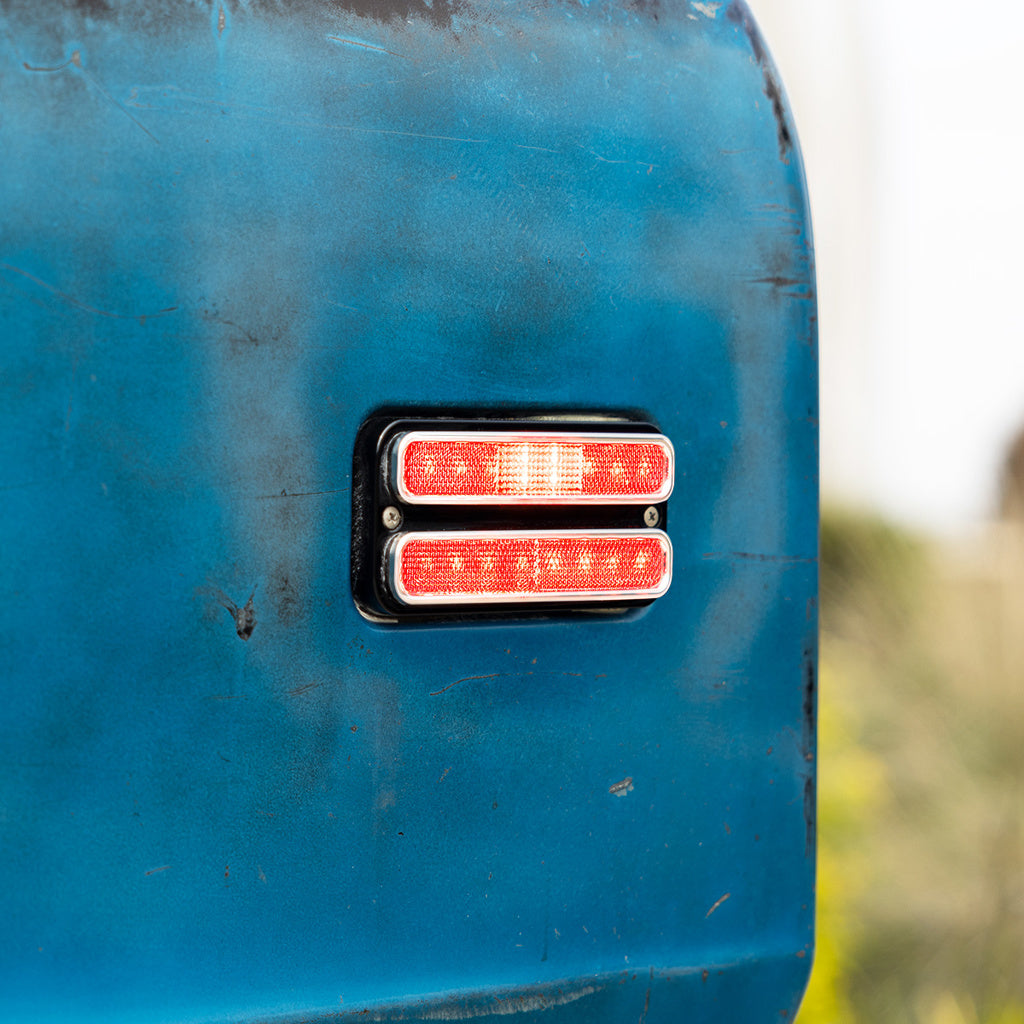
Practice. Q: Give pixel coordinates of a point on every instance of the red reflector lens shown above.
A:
(507, 468)
(520, 565)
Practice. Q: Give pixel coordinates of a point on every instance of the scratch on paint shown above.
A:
(156, 871)
(299, 494)
(752, 556)
(392, 131)
(367, 46)
(75, 60)
(71, 300)
(341, 305)
(189, 102)
(536, 149)
(468, 679)
(499, 1006)
(709, 10)
(507, 675)
(716, 905)
(639, 163)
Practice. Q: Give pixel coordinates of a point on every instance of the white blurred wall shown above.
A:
(911, 118)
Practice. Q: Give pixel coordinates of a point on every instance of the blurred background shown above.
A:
(911, 118)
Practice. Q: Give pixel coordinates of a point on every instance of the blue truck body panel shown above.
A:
(230, 232)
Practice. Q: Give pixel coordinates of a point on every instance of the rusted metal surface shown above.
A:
(231, 232)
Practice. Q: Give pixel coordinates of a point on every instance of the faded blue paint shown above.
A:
(224, 243)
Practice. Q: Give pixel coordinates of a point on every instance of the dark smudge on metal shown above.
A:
(739, 14)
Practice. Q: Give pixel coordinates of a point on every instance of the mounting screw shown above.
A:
(391, 518)
(651, 516)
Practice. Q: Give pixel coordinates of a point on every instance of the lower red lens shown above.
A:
(438, 568)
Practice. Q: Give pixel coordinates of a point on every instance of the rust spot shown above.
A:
(647, 997)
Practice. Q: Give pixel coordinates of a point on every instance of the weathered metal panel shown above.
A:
(231, 232)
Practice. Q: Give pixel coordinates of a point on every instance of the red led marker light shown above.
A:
(491, 467)
(473, 567)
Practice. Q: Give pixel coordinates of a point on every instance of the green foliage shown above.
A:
(921, 780)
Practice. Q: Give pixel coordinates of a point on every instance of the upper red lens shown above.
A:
(510, 468)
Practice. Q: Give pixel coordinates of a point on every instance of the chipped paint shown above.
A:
(243, 617)
(717, 904)
(622, 788)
